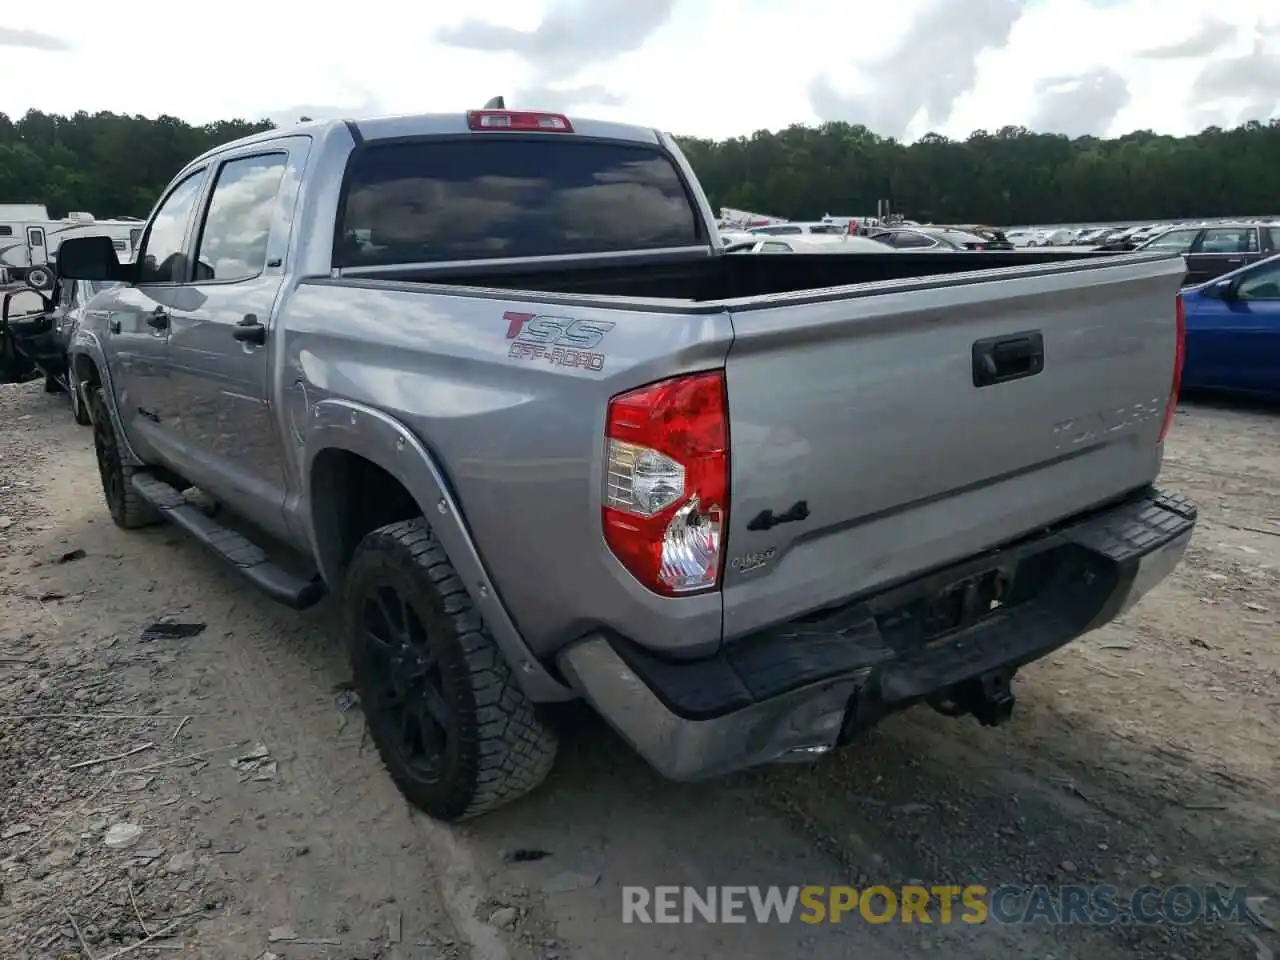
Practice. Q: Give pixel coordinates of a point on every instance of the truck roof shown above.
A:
(429, 125)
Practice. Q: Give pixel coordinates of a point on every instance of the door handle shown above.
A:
(158, 319)
(1236, 260)
(1011, 357)
(114, 324)
(250, 330)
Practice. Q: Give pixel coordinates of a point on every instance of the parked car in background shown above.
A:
(1057, 237)
(1233, 332)
(1021, 237)
(810, 243)
(1088, 236)
(1215, 249)
(23, 311)
(996, 238)
(795, 229)
(937, 239)
(37, 330)
(1109, 234)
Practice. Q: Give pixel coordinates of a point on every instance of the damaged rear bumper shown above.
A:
(792, 692)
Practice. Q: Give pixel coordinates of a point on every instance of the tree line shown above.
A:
(116, 165)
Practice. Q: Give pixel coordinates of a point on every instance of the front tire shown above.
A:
(127, 508)
(454, 730)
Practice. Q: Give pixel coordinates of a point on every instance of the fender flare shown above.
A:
(84, 343)
(335, 424)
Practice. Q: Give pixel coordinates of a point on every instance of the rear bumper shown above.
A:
(788, 693)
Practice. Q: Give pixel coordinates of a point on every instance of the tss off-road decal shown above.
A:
(558, 341)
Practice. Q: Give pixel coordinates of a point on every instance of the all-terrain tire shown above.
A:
(500, 749)
(127, 507)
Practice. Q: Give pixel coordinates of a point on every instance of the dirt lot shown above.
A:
(211, 791)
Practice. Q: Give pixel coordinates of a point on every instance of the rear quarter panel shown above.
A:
(518, 436)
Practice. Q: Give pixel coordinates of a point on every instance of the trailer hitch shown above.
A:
(988, 698)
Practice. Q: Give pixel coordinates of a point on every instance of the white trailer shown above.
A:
(28, 247)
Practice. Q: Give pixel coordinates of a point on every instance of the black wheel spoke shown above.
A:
(434, 706)
(435, 740)
(380, 648)
(410, 730)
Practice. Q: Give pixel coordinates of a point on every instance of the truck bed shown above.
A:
(866, 404)
(735, 276)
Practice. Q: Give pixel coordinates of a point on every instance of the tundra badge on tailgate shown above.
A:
(558, 341)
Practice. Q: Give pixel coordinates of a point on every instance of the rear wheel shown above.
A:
(454, 730)
(127, 508)
(40, 278)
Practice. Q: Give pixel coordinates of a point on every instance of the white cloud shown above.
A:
(709, 67)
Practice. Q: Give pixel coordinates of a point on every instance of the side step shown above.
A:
(248, 559)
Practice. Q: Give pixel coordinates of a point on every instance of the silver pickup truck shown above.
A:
(491, 379)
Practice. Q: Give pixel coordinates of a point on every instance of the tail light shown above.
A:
(522, 120)
(666, 485)
(1179, 356)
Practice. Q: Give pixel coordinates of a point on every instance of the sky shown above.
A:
(711, 68)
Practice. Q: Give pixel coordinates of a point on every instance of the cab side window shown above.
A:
(237, 225)
(162, 258)
(1179, 240)
(1229, 240)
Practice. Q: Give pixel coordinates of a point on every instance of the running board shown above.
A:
(244, 556)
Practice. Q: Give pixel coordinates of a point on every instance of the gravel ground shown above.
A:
(215, 793)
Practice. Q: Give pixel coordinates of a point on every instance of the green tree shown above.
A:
(1008, 176)
(116, 165)
(109, 164)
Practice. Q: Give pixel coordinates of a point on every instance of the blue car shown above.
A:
(1233, 332)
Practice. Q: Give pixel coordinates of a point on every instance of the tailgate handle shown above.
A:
(1011, 357)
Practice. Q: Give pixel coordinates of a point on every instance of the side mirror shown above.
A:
(1226, 290)
(91, 258)
(23, 305)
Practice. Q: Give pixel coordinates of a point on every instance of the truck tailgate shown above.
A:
(867, 445)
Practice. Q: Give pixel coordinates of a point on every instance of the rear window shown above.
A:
(485, 198)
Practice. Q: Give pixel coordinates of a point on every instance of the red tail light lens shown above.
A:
(518, 120)
(666, 484)
(1179, 356)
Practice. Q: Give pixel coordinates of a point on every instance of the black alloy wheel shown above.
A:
(410, 702)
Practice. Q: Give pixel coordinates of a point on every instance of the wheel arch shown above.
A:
(86, 357)
(347, 443)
